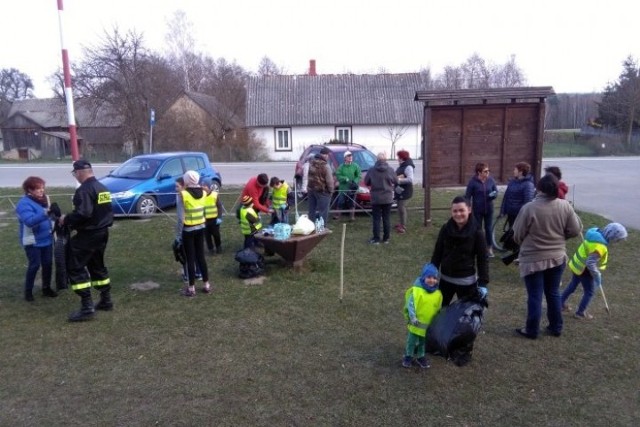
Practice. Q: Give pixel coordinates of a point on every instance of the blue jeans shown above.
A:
(38, 257)
(381, 212)
(487, 220)
(319, 205)
(588, 286)
(545, 282)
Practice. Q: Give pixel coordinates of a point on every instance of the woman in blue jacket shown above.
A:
(482, 191)
(520, 191)
(35, 235)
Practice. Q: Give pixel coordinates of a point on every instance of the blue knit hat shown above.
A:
(429, 270)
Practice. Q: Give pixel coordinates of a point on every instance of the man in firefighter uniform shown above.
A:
(91, 218)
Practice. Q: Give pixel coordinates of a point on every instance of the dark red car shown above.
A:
(361, 156)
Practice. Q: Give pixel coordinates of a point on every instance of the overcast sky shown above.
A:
(572, 45)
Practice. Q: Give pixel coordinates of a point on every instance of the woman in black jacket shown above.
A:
(461, 254)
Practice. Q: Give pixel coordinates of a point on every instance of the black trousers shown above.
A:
(212, 234)
(193, 243)
(86, 262)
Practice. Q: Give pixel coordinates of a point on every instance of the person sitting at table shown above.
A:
(249, 222)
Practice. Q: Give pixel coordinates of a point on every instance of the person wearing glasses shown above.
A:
(482, 191)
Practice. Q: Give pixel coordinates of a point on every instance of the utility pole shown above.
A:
(68, 94)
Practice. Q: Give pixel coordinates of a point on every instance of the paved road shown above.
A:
(607, 186)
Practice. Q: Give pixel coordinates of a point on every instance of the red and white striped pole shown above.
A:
(68, 94)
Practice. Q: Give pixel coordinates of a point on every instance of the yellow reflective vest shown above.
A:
(427, 305)
(211, 205)
(578, 262)
(279, 196)
(245, 226)
(193, 209)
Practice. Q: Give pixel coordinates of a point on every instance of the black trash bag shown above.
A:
(178, 252)
(507, 241)
(453, 331)
(251, 263)
(61, 254)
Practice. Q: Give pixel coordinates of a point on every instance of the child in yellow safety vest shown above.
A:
(591, 256)
(249, 222)
(279, 200)
(423, 300)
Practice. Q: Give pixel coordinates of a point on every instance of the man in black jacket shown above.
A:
(382, 181)
(91, 218)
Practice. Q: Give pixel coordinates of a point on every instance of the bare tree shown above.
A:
(393, 134)
(181, 44)
(121, 73)
(476, 73)
(268, 68)
(15, 85)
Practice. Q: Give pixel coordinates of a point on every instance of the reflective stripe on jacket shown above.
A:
(426, 305)
(211, 205)
(193, 209)
(578, 262)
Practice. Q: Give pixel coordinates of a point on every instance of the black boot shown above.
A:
(28, 296)
(105, 303)
(48, 292)
(86, 311)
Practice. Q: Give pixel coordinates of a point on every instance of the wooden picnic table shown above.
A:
(294, 249)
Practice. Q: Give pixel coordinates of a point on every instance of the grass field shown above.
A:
(289, 353)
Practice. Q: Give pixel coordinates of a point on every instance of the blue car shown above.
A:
(143, 184)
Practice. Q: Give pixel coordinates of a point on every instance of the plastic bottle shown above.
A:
(321, 224)
(317, 225)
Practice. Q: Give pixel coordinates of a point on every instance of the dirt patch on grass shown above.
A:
(144, 286)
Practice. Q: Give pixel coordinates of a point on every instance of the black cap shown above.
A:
(325, 150)
(79, 165)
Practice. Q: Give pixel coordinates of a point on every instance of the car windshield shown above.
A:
(136, 168)
(362, 158)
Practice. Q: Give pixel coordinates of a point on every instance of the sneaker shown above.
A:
(423, 362)
(401, 229)
(28, 296)
(566, 307)
(188, 291)
(407, 361)
(185, 279)
(198, 276)
(48, 292)
(490, 254)
(374, 242)
(385, 241)
(583, 316)
(206, 288)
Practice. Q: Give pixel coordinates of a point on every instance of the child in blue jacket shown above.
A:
(423, 301)
(591, 256)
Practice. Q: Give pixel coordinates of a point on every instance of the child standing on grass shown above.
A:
(213, 218)
(423, 301)
(249, 222)
(279, 197)
(591, 257)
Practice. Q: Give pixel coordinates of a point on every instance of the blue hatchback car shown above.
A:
(143, 184)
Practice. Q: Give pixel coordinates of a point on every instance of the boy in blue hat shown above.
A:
(423, 301)
(591, 257)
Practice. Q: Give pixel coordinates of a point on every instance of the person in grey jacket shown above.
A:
(541, 229)
(382, 180)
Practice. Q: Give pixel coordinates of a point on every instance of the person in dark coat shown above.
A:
(381, 179)
(404, 191)
(460, 254)
(520, 191)
(482, 191)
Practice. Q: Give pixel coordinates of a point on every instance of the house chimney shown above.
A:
(312, 67)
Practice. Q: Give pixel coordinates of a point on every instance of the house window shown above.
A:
(283, 139)
(343, 134)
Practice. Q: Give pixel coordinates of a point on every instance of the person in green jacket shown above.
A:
(423, 300)
(348, 176)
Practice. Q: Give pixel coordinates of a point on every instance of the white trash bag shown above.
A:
(303, 226)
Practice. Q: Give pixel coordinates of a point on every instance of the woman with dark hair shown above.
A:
(461, 254)
(563, 189)
(541, 229)
(403, 191)
(482, 191)
(520, 191)
(35, 235)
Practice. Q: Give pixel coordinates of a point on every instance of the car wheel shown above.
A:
(215, 185)
(146, 206)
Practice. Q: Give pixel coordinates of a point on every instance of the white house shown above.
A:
(290, 112)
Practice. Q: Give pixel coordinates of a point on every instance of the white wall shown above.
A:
(375, 138)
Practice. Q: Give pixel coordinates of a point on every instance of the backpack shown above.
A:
(251, 263)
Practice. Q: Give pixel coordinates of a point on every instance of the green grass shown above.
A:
(289, 353)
